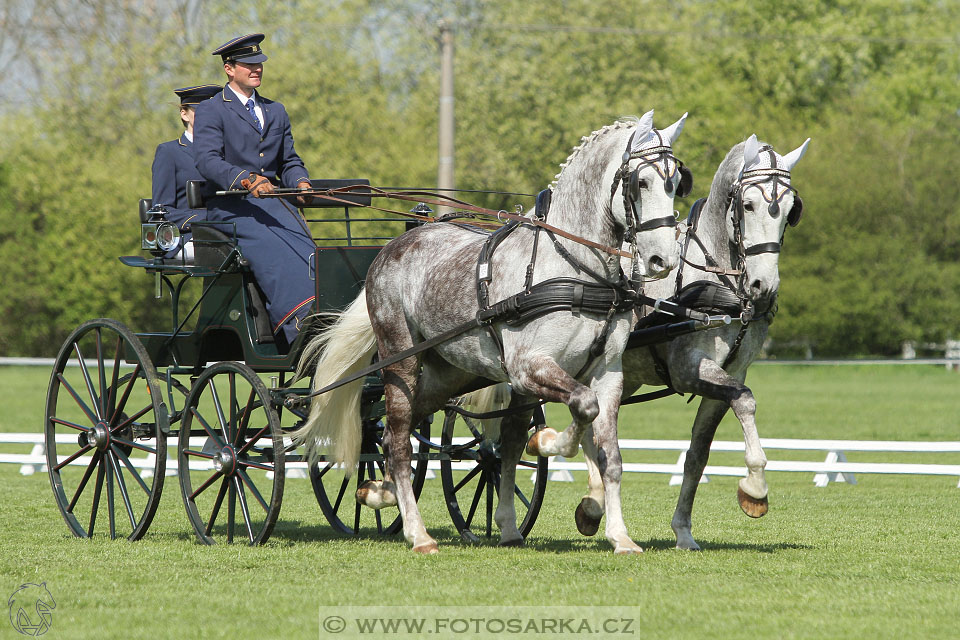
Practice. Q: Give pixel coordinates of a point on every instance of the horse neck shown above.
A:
(581, 198)
(712, 225)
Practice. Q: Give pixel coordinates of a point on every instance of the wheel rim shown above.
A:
(470, 493)
(230, 456)
(105, 431)
(336, 493)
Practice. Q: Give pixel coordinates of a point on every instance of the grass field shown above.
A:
(875, 560)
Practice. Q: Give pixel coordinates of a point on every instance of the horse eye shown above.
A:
(644, 184)
(748, 206)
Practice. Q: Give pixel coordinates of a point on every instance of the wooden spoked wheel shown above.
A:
(105, 432)
(230, 456)
(336, 491)
(470, 474)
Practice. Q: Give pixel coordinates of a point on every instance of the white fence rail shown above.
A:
(833, 468)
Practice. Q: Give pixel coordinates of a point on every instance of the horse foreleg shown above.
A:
(541, 377)
(609, 462)
(398, 385)
(590, 510)
(705, 425)
(716, 383)
(513, 431)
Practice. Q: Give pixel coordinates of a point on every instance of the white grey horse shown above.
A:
(424, 284)
(739, 227)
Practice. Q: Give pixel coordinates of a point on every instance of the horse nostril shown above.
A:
(656, 263)
(757, 285)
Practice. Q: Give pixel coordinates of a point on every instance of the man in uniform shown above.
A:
(174, 164)
(243, 140)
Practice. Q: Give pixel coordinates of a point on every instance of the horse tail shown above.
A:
(333, 423)
(492, 398)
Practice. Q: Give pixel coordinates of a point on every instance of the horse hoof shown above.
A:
(628, 551)
(752, 506)
(364, 491)
(516, 542)
(427, 549)
(587, 525)
(533, 445)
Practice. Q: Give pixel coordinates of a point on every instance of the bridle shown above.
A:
(629, 182)
(756, 178)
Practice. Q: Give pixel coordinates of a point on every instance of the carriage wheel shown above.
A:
(336, 493)
(230, 408)
(104, 430)
(477, 478)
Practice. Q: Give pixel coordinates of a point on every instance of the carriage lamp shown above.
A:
(158, 235)
(421, 210)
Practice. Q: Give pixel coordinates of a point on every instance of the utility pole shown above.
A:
(445, 179)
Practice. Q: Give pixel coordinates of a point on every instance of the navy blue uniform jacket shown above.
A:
(228, 146)
(173, 165)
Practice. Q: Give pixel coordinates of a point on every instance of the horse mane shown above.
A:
(585, 141)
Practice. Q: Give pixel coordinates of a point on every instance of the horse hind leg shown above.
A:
(399, 383)
(590, 510)
(513, 430)
(544, 378)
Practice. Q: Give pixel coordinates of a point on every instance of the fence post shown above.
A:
(823, 479)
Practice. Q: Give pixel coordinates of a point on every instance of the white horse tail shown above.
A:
(345, 347)
(492, 398)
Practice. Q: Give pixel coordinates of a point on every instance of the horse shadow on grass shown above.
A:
(294, 532)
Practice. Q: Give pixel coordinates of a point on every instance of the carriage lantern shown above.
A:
(158, 235)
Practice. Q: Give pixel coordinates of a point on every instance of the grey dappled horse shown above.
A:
(740, 226)
(423, 283)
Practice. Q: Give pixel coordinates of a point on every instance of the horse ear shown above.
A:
(644, 127)
(794, 156)
(672, 132)
(751, 150)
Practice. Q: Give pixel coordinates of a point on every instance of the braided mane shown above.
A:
(626, 121)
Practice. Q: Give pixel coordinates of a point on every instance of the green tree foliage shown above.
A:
(875, 262)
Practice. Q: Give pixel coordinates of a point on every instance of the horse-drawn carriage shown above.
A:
(110, 410)
(220, 385)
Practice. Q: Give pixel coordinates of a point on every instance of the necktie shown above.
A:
(253, 114)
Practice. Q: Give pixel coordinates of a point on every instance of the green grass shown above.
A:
(879, 559)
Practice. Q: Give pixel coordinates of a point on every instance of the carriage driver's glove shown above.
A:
(257, 185)
(304, 200)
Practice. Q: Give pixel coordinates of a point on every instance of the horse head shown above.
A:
(760, 204)
(628, 171)
(651, 177)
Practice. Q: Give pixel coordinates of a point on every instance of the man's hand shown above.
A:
(304, 200)
(257, 185)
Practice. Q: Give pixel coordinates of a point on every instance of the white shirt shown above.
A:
(188, 135)
(256, 103)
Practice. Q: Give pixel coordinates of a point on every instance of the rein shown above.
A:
(435, 199)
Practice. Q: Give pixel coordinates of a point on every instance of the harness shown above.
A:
(559, 294)
(570, 294)
(733, 293)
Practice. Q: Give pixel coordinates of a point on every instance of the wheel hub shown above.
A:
(225, 460)
(99, 436)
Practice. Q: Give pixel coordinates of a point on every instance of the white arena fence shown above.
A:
(834, 468)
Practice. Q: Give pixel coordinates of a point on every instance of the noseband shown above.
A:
(629, 181)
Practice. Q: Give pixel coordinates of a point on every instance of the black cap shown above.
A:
(243, 49)
(192, 96)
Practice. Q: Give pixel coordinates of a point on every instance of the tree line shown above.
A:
(874, 83)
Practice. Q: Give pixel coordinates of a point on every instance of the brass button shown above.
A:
(261, 155)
